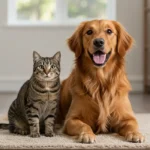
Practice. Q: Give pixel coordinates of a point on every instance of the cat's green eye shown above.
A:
(40, 67)
(53, 66)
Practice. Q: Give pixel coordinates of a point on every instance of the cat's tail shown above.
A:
(4, 126)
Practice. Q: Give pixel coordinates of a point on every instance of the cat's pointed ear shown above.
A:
(57, 56)
(36, 56)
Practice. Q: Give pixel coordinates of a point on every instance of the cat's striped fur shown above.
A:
(34, 109)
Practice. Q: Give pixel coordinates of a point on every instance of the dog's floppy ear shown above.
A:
(124, 40)
(75, 41)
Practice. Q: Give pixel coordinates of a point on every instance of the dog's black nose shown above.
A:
(99, 42)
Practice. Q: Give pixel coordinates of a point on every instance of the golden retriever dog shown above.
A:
(94, 98)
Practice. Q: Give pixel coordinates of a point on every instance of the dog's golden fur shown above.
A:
(95, 99)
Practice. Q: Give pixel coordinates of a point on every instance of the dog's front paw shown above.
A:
(87, 138)
(35, 135)
(135, 137)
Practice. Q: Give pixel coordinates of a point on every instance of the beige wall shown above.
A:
(17, 44)
(130, 14)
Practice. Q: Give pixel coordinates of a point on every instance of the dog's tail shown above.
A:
(4, 126)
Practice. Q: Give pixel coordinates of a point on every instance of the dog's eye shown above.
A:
(89, 32)
(109, 31)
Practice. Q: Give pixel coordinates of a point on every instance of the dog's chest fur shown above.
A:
(102, 95)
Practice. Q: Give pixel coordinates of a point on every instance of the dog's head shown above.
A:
(100, 40)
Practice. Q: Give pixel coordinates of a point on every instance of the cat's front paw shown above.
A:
(35, 135)
(50, 134)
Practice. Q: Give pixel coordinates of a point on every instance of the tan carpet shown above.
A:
(109, 141)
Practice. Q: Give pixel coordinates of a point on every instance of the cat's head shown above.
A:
(46, 68)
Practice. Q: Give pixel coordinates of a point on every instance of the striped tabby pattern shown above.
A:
(34, 109)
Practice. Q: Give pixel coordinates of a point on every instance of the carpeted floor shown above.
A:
(109, 141)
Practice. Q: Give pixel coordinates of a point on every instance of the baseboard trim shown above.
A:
(14, 84)
(137, 83)
(9, 84)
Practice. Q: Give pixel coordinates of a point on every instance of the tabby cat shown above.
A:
(34, 109)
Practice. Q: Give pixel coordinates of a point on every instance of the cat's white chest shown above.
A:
(47, 88)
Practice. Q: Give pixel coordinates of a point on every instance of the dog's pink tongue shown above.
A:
(99, 59)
